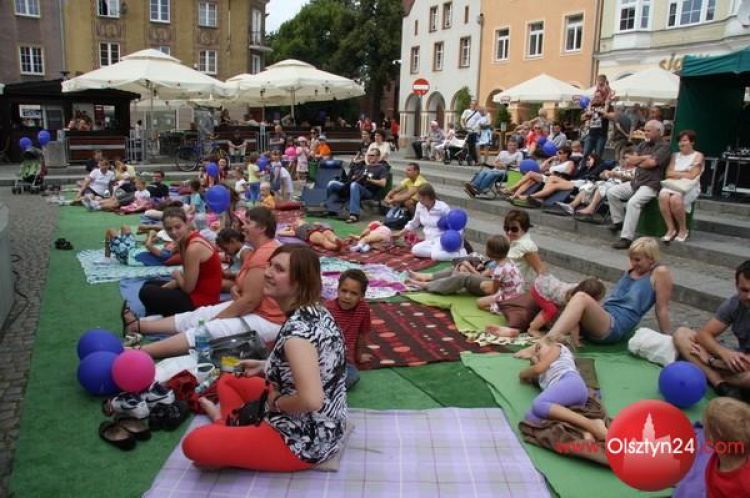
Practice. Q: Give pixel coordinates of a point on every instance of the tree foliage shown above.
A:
(463, 99)
(359, 39)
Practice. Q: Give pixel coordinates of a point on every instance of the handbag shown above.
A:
(681, 185)
(251, 413)
(245, 346)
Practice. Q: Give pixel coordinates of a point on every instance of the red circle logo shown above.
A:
(651, 445)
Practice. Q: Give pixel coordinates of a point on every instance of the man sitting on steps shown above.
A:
(727, 371)
(650, 159)
(405, 194)
(363, 182)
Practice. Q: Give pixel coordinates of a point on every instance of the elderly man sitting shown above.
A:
(425, 148)
(405, 194)
(363, 182)
(650, 159)
(727, 370)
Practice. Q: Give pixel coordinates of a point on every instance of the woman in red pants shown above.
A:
(305, 372)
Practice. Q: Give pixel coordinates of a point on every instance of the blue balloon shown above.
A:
(95, 373)
(263, 162)
(549, 149)
(528, 165)
(25, 143)
(218, 198)
(443, 223)
(457, 219)
(584, 102)
(541, 141)
(451, 241)
(682, 384)
(98, 340)
(43, 137)
(212, 170)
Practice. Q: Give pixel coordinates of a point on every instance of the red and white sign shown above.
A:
(420, 87)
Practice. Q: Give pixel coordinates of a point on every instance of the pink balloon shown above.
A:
(133, 371)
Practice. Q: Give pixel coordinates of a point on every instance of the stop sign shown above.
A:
(420, 87)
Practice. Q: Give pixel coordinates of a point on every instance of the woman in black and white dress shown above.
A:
(304, 374)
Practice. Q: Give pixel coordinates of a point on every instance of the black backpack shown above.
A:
(396, 218)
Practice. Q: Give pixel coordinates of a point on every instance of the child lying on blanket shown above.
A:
(553, 367)
(123, 246)
(550, 295)
(473, 274)
(352, 315)
(315, 234)
(374, 233)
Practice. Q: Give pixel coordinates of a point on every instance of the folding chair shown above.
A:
(327, 171)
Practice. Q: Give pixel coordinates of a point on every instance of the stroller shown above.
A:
(32, 172)
(458, 149)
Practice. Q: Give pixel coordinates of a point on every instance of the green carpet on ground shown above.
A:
(466, 315)
(624, 379)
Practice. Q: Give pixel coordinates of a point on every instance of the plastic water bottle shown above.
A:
(202, 348)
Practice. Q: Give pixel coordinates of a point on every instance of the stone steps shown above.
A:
(731, 219)
(703, 267)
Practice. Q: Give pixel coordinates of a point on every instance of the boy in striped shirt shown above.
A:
(352, 314)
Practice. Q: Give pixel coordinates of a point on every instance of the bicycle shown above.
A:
(189, 155)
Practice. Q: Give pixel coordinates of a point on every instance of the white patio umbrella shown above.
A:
(150, 73)
(541, 88)
(292, 82)
(650, 85)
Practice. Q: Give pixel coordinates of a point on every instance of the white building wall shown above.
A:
(452, 78)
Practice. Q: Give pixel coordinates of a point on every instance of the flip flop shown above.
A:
(116, 435)
(137, 427)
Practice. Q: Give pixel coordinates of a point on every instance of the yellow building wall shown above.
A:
(134, 31)
(575, 68)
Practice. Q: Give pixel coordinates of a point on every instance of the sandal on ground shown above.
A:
(63, 244)
(137, 427)
(168, 417)
(116, 435)
(352, 219)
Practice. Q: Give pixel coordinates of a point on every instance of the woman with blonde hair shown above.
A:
(644, 284)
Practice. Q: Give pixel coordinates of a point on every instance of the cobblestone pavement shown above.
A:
(32, 226)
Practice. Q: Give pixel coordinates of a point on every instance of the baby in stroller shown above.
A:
(32, 172)
(458, 149)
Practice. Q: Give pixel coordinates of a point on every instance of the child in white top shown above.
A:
(553, 367)
(240, 184)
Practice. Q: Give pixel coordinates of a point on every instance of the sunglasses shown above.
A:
(511, 229)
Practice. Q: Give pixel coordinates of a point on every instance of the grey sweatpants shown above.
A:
(452, 282)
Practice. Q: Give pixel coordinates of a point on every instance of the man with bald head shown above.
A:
(650, 159)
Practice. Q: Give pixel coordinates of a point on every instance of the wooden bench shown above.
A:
(81, 147)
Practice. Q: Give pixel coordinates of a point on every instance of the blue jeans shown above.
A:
(594, 143)
(253, 192)
(487, 178)
(356, 193)
(352, 376)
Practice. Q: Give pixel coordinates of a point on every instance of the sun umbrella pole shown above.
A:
(150, 124)
(293, 99)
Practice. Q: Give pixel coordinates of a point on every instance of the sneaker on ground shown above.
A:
(566, 207)
(129, 404)
(159, 394)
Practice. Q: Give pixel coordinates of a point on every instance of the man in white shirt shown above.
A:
(99, 182)
(470, 121)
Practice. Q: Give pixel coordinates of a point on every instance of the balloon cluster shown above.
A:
(106, 368)
(43, 137)
(452, 224)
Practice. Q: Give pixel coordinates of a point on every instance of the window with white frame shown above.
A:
(686, 12)
(502, 44)
(433, 18)
(108, 8)
(464, 51)
(159, 10)
(574, 33)
(109, 53)
(27, 8)
(31, 60)
(165, 49)
(438, 55)
(447, 15)
(207, 14)
(207, 61)
(256, 64)
(633, 14)
(414, 60)
(257, 27)
(536, 39)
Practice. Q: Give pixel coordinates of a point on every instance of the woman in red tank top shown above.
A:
(198, 284)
